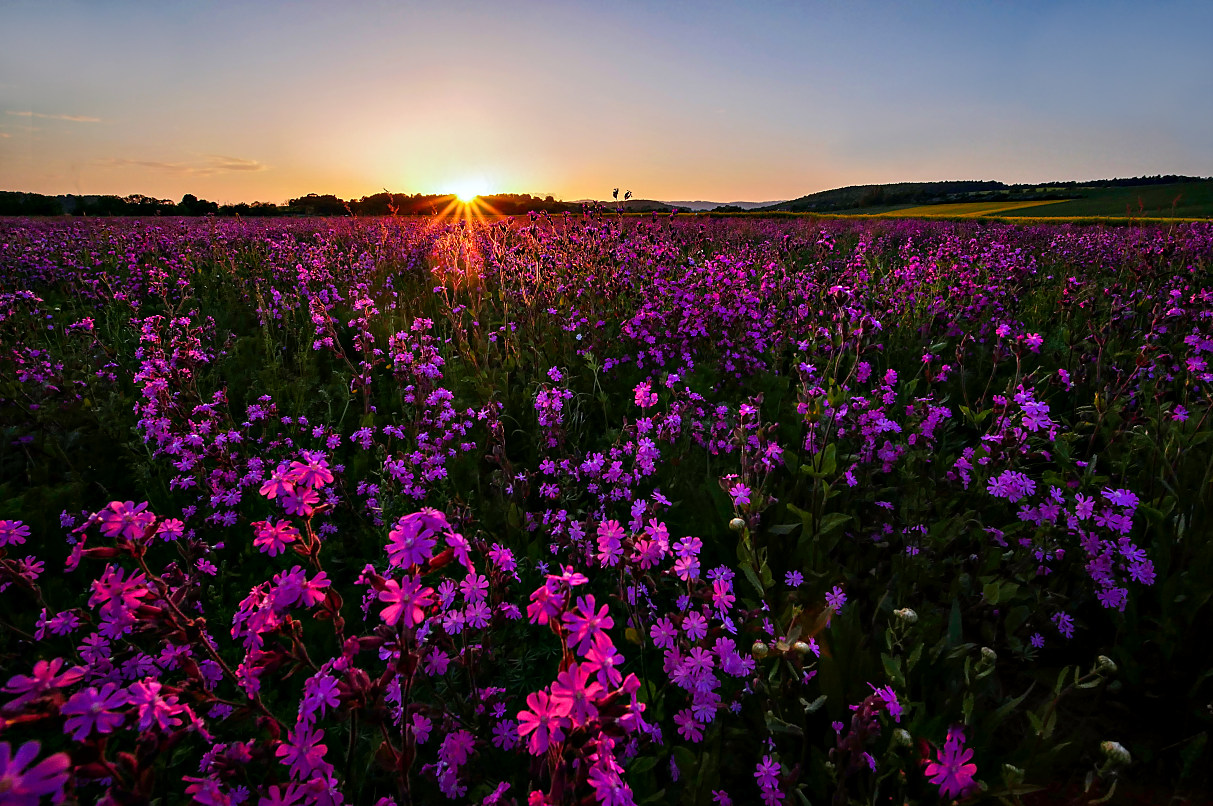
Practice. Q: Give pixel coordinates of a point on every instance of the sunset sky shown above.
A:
(244, 101)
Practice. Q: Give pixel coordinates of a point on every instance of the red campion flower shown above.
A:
(950, 772)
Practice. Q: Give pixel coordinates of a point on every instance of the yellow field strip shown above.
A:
(965, 209)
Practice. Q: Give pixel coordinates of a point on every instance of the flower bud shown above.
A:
(759, 650)
(800, 648)
(988, 655)
(907, 615)
(737, 524)
(1105, 665)
(1116, 752)
(902, 738)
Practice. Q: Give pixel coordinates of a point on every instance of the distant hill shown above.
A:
(1108, 197)
(700, 206)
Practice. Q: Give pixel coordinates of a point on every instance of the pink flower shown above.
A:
(22, 787)
(688, 728)
(456, 748)
(950, 773)
(584, 625)
(664, 633)
(406, 601)
(313, 472)
(125, 518)
(695, 625)
(411, 541)
(279, 483)
(300, 502)
(304, 753)
(272, 538)
(46, 676)
(603, 659)
(740, 494)
(573, 686)
(152, 708)
(544, 722)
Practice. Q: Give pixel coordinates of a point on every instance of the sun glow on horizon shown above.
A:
(470, 188)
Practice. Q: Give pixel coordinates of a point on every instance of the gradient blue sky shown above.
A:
(243, 101)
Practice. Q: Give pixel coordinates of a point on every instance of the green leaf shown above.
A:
(832, 521)
(750, 575)
(989, 592)
(814, 706)
(642, 764)
(954, 633)
(777, 725)
(892, 668)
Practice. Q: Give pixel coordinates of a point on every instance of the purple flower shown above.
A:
(836, 598)
(950, 771)
(740, 494)
(91, 710)
(13, 533)
(22, 787)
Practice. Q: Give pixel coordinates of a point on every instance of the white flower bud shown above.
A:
(1116, 752)
(907, 615)
(737, 524)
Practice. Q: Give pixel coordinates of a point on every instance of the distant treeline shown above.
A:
(380, 204)
(916, 193)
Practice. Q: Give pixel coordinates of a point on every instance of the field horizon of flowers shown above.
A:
(596, 509)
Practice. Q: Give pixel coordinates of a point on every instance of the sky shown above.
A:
(744, 101)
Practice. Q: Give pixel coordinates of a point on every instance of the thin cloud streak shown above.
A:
(215, 164)
(73, 118)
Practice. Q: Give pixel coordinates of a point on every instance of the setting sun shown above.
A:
(467, 190)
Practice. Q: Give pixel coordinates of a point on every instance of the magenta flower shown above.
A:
(304, 753)
(406, 601)
(740, 494)
(574, 686)
(585, 625)
(544, 723)
(22, 787)
(91, 710)
(313, 472)
(411, 541)
(46, 676)
(300, 502)
(125, 518)
(603, 659)
(688, 727)
(273, 538)
(664, 633)
(279, 483)
(695, 625)
(950, 772)
(154, 709)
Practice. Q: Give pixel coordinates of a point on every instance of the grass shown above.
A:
(1180, 200)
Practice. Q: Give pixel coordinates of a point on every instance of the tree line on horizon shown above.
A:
(379, 204)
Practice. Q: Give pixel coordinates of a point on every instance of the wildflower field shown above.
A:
(600, 509)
